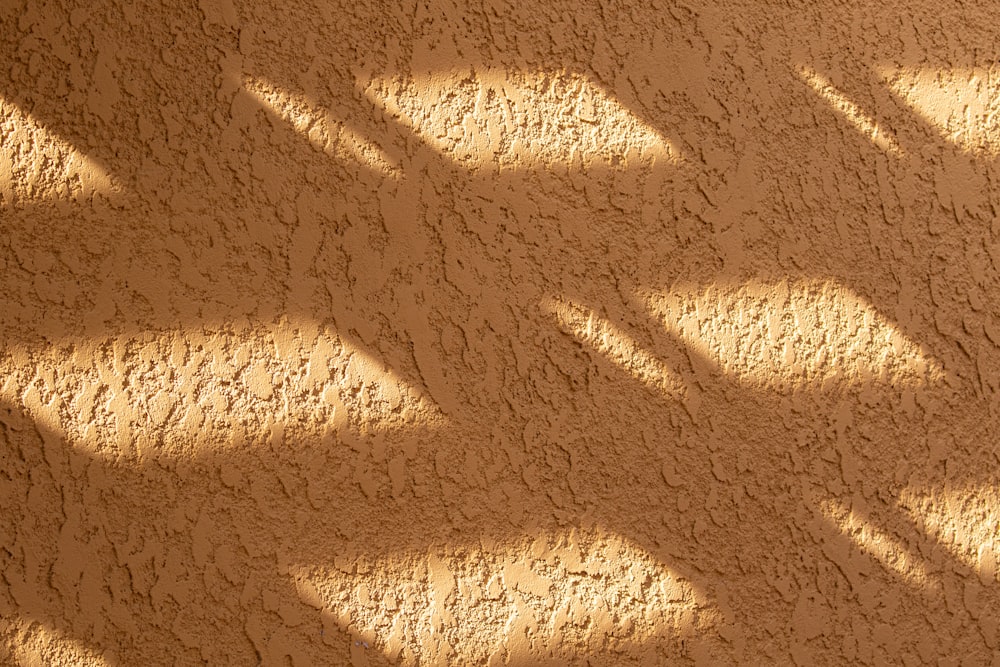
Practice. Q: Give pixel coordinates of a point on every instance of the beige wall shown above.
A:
(543, 331)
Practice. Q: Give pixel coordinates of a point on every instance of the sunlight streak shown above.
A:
(35, 164)
(888, 551)
(559, 595)
(325, 132)
(611, 342)
(962, 104)
(789, 334)
(854, 114)
(966, 521)
(485, 116)
(40, 645)
(155, 394)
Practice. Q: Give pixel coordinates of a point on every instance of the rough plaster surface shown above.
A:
(422, 333)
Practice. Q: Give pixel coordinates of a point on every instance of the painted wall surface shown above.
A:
(520, 333)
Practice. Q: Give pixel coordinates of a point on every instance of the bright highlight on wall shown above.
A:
(966, 521)
(850, 111)
(563, 233)
(487, 116)
(553, 594)
(324, 131)
(868, 538)
(962, 104)
(603, 337)
(37, 165)
(792, 334)
(157, 394)
(42, 646)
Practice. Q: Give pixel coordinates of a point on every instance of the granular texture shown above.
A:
(501, 333)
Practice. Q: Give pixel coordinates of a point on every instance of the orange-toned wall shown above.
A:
(499, 333)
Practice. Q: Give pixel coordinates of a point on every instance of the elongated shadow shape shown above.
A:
(439, 276)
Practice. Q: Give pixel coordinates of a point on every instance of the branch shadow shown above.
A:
(539, 433)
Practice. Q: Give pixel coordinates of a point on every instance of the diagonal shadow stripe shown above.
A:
(536, 433)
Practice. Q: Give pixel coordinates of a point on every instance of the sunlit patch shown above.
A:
(850, 111)
(962, 104)
(37, 165)
(325, 132)
(603, 337)
(966, 521)
(40, 645)
(877, 543)
(792, 334)
(557, 596)
(486, 116)
(160, 394)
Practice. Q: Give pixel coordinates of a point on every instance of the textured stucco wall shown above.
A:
(452, 333)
